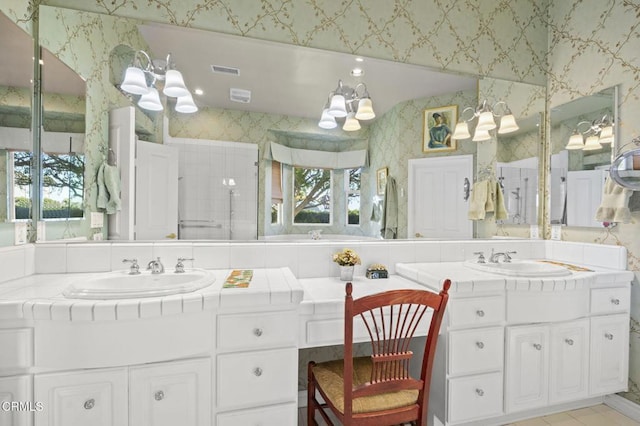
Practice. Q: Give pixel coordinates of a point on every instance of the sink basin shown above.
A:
(520, 268)
(121, 285)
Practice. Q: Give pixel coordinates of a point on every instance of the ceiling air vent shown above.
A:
(219, 69)
(240, 95)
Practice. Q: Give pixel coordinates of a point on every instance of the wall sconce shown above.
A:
(144, 78)
(340, 104)
(597, 132)
(486, 115)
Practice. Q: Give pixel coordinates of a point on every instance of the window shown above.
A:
(276, 193)
(312, 196)
(352, 189)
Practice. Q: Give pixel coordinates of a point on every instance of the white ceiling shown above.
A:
(287, 79)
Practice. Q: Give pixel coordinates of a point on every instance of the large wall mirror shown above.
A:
(583, 138)
(392, 138)
(16, 76)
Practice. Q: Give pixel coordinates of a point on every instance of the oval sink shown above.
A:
(520, 268)
(121, 285)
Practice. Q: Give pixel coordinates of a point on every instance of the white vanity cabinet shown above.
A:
(609, 364)
(13, 389)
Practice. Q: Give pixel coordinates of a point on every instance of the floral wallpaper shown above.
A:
(574, 47)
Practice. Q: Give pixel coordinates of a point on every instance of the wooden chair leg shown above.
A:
(311, 395)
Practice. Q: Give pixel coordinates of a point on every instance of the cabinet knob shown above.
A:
(89, 404)
(257, 332)
(480, 313)
(257, 371)
(159, 396)
(480, 345)
(569, 342)
(615, 301)
(537, 346)
(608, 336)
(480, 392)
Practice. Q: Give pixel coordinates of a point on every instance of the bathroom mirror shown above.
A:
(15, 124)
(581, 155)
(219, 123)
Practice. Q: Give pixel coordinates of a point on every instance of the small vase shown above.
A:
(346, 272)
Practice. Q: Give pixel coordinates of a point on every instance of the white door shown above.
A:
(569, 361)
(584, 195)
(172, 393)
(609, 354)
(122, 140)
(156, 191)
(437, 208)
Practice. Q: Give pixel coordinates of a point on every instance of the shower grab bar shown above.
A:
(218, 226)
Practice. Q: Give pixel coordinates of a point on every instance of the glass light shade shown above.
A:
(365, 109)
(186, 105)
(461, 131)
(351, 124)
(606, 135)
(327, 121)
(134, 82)
(575, 142)
(174, 84)
(151, 100)
(485, 121)
(338, 107)
(481, 135)
(592, 143)
(508, 124)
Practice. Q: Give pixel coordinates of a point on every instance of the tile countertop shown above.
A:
(39, 297)
(464, 279)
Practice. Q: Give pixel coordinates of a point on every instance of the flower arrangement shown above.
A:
(346, 257)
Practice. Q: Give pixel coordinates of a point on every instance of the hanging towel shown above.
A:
(478, 201)
(376, 211)
(389, 221)
(501, 211)
(615, 203)
(108, 183)
(103, 195)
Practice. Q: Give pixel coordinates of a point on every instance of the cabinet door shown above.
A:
(527, 367)
(609, 354)
(569, 361)
(87, 398)
(172, 393)
(16, 389)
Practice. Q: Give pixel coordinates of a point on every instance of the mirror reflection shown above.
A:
(582, 136)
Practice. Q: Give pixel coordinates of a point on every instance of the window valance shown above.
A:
(318, 159)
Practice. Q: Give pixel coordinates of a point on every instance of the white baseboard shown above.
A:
(623, 406)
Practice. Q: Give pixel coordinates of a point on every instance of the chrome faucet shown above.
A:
(506, 256)
(180, 264)
(134, 269)
(156, 266)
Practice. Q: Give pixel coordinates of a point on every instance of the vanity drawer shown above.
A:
(609, 300)
(474, 397)
(17, 349)
(257, 331)
(286, 414)
(476, 350)
(249, 379)
(476, 311)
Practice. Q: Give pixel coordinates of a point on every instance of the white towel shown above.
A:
(501, 211)
(108, 184)
(615, 203)
(389, 223)
(478, 202)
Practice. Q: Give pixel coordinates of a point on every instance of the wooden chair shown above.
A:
(377, 390)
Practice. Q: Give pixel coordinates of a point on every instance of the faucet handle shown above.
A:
(480, 255)
(135, 268)
(507, 255)
(180, 264)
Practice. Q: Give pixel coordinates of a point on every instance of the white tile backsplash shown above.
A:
(13, 263)
(89, 258)
(51, 258)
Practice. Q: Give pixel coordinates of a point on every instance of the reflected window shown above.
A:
(276, 193)
(312, 196)
(20, 187)
(352, 189)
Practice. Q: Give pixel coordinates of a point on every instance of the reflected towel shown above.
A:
(501, 211)
(103, 195)
(615, 203)
(108, 183)
(389, 221)
(478, 201)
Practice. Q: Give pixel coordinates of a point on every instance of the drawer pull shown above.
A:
(608, 336)
(480, 345)
(159, 396)
(480, 392)
(257, 332)
(615, 301)
(569, 342)
(89, 404)
(257, 371)
(537, 346)
(480, 313)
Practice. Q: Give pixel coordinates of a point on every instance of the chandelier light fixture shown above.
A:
(352, 104)
(597, 133)
(486, 115)
(147, 78)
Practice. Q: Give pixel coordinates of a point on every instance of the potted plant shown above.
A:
(347, 259)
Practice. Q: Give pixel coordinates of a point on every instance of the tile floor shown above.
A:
(598, 415)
